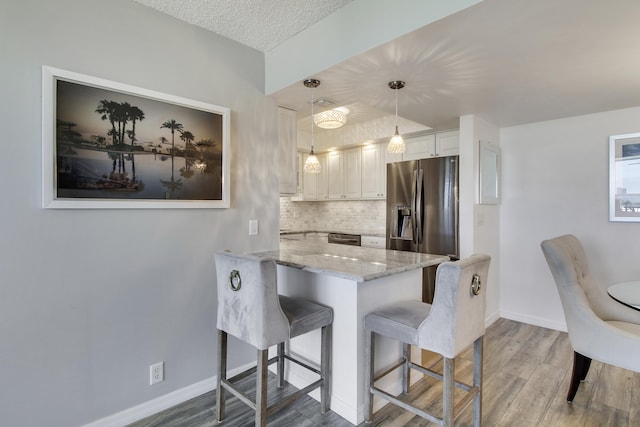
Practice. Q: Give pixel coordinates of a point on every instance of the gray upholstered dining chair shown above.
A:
(599, 327)
(250, 309)
(452, 323)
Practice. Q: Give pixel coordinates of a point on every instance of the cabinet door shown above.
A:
(374, 171)
(315, 185)
(299, 177)
(334, 170)
(420, 147)
(287, 150)
(448, 143)
(309, 183)
(322, 182)
(352, 173)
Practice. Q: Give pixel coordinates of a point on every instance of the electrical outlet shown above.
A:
(156, 373)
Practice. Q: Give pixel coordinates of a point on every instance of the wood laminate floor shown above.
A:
(526, 377)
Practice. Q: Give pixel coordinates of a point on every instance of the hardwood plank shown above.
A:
(527, 370)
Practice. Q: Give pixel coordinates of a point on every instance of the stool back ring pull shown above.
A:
(250, 309)
(454, 321)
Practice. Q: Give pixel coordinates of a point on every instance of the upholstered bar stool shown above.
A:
(250, 309)
(453, 322)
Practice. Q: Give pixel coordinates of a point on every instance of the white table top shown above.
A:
(627, 293)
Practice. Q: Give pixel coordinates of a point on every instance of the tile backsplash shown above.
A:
(356, 216)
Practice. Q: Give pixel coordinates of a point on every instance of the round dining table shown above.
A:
(627, 293)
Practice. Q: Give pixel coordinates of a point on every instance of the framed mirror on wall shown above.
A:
(489, 171)
(624, 177)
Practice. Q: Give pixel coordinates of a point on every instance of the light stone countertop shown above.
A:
(348, 262)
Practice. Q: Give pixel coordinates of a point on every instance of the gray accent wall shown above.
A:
(90, 298)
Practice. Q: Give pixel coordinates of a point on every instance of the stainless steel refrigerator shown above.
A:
(422, 210)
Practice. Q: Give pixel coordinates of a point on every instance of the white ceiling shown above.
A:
(260, 24)
(510, 61)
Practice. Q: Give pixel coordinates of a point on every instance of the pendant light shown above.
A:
(396, 143)
(311, 165)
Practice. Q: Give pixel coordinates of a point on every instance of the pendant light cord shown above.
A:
(312, 120)
(396, 108)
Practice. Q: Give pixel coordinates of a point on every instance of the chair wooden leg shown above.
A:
(585, 369)
(222, 374)
(261, 388)
(477, 381)
(580, 368)
(280, 366)
(369, 344)
(447, 391)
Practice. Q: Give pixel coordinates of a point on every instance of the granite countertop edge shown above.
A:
(304, 256)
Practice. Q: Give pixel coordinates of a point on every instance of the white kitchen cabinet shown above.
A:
(448, 143)
(353, 173)
(287, 150)
(432, 145)
(374, 171)
(315, 185)
(299, 164)
(344, 174)
(419, 147)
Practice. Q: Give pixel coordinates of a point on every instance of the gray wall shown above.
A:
(556, 181)
(90, 298)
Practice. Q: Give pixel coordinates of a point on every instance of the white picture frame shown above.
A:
(624, 177)
(489, 173)
(110, 145)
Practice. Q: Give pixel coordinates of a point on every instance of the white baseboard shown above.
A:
(161, 403)
(533, 320)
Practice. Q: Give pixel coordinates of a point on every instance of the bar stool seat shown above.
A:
(250, 309)
(453, 322)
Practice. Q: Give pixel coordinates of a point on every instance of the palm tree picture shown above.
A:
(113, 145)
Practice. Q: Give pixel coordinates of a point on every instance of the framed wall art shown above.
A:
(624, 177)
(112, 145)
(489, 174)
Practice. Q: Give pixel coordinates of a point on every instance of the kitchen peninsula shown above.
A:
(353, 281)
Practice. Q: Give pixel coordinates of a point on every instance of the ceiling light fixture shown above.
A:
(396, 143)
(311, 165)
(330, 119)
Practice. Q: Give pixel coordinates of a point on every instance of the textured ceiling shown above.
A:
(260, 24)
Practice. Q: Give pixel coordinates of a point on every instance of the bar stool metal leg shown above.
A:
(222, 374)
(447, 391)
(280, 368)
(326, 353)
(477, 381)
(261, 388)
(406, 372)
(369, 343)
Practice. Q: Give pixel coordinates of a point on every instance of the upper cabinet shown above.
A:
(287, 135)
(448, 143)
(374, 171)
(432, 145)
(361, 173)
(316, 185)
(344, 170)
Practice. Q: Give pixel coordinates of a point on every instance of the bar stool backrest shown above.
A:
(248, 302)
(457, 314)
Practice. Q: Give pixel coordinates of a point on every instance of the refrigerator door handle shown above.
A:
(419, 184)
(414, 206)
